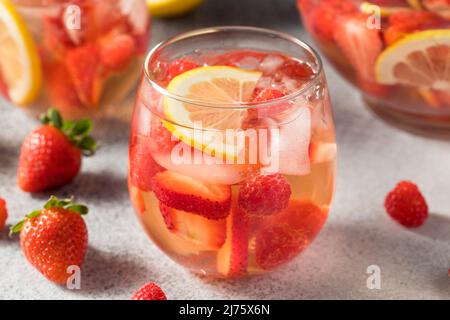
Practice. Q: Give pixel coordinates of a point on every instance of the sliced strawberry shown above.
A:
(60, 89)
(359, 44)
(232, 258)
(180, 66)
(403, 23)
(320, 16)
(210, 234)
(288, 233)
(117, 52)
(142, 165)
(56, 40)
(3, 214)
(85, 72)
(182, 192)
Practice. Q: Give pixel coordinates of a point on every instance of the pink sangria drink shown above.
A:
(232, 150)
(397, 52)
(75, 55)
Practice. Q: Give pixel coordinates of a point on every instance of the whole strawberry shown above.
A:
(406, 205)
(151, 291)
(3, 214)
(51, 155)
(54, 238)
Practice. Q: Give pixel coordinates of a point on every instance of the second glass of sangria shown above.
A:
(397, 52)
(232, 151)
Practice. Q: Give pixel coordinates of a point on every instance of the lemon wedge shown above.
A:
(19, 63)
(171, 8)
(219, 90)
(420, 59)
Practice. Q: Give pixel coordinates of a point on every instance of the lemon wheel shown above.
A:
(223, 87)
(19, 63)
(420, 59)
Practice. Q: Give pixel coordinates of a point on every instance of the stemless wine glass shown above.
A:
(396, 52)
(232, 150)
(75, 55)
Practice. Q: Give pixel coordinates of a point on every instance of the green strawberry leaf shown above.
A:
(78, 132)
(53, 202)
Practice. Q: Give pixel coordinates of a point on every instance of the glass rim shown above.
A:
(235, 105)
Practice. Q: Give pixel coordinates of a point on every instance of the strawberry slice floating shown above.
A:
(359, 44)
(182, 192)
(232, 258)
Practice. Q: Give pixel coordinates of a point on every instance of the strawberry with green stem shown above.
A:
(50, 156)
(54, 238)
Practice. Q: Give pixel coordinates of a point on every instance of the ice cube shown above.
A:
(290, 85)
(264, 82)
(271, 63)
(291, 149)
(248, 62)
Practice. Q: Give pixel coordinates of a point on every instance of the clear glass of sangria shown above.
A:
(397, 52)
(232, 150)
(75, 55)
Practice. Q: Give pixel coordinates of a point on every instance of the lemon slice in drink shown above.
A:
(205, 127)
(19, 58)
(171, 8)
(420, 59)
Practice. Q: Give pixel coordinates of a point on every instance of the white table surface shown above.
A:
(373, 156)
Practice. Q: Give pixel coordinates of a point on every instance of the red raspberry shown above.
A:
(406, 205)
(264, 194)
(151, 291)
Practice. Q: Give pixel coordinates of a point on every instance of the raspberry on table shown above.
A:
(406, 205)
(151, 291)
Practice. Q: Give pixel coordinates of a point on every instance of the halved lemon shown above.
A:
(420, 59)
(171, 8)
(19, 58)
(219, 90)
